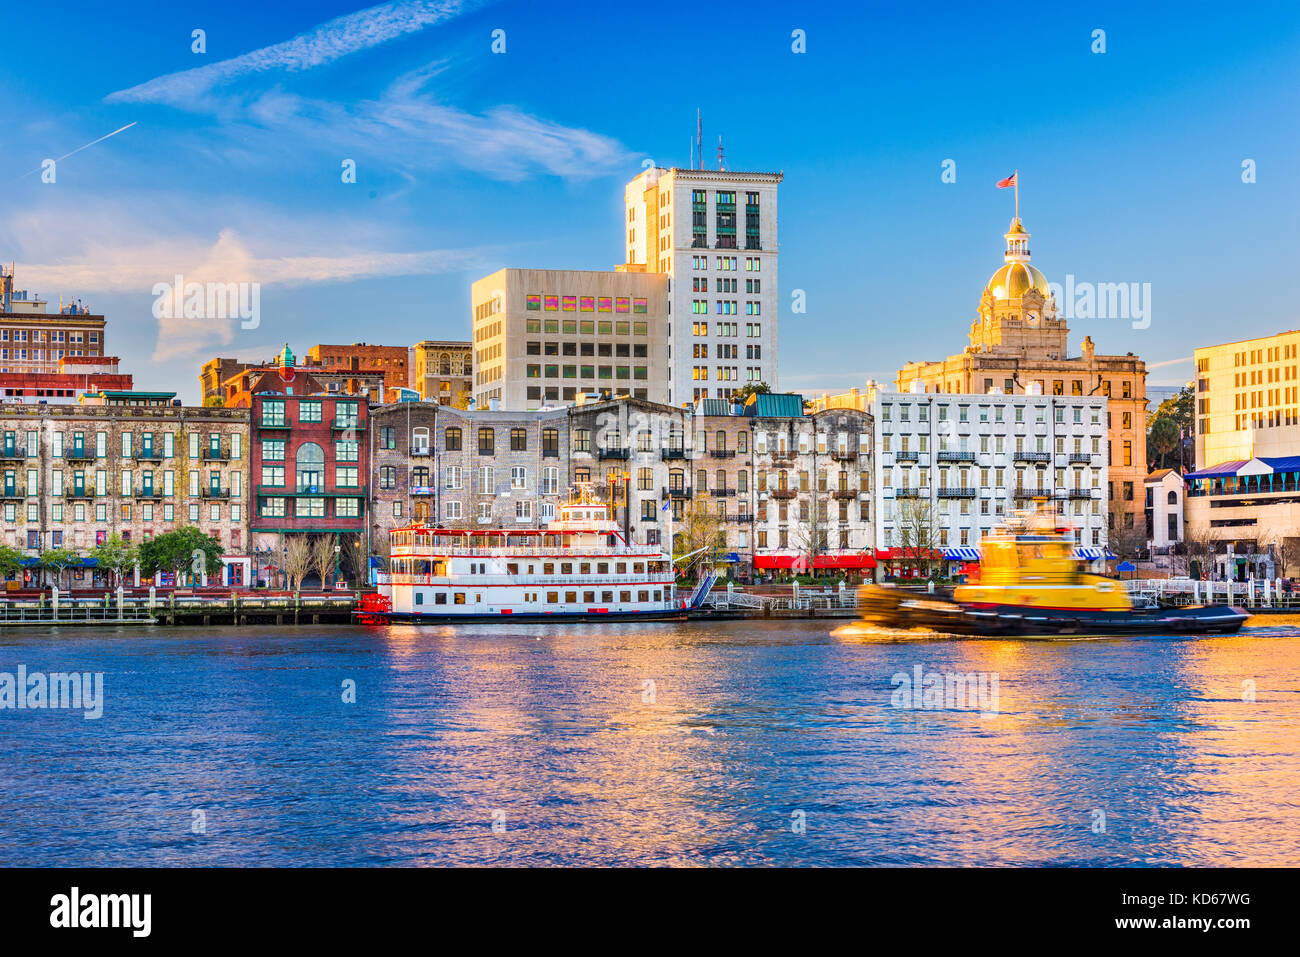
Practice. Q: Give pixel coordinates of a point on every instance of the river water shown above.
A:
(730, 743)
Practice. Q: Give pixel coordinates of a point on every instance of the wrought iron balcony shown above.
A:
(906, 456)
(216, 493)
(956, 456)
(722, 492)
(672, 453)
(676, 492)
(1080, 458)
(613, 453)
(79, 455)
(845, 493)
(784, 492)
(215, 455)
(907, 493)
(1038, 457)
(844, 455)
(12, 452)
(954, 492)
(148, 455)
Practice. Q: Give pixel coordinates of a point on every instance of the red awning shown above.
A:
(900, 554)
(840, 560)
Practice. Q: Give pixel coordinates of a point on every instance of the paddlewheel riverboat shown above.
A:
(579, 568)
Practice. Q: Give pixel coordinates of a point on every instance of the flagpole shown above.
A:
(1017, 182)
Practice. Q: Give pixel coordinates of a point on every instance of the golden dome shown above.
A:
(1015, 279)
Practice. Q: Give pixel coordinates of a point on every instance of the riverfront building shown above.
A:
(953, 466)
(1018, 342)
(231, 382)
(545, 336)
(713, 235)
(72, 475)
(309, 462)
(1248, 399)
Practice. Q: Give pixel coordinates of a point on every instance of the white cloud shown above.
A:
(323, 44)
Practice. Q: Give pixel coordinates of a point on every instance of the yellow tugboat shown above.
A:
(1030, 585)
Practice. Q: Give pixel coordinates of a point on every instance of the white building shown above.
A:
(975, 459)
(714, 233)
(1164, 507)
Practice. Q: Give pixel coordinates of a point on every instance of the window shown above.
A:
(309, 411)
(273, 412)
(518, 440)
(486, 441)
(550, 442)
(518, 477)
(451, 439)
(420, 441)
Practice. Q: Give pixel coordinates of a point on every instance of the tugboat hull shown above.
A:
(890, 608)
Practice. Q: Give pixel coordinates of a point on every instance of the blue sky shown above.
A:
(468, 161)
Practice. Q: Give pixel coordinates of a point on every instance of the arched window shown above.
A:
(1173, 498)
(420, 441)
(444, 364)
(310, 467)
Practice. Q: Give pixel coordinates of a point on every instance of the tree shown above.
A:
(918, 534)
(1198, 552)
(461, 401)
(297, 559)
(11, 561)
(1127, 536)
(1178, 410)
(1163, 438)
(174, 552)
(811, 534)
(699, 529)
(116, 556)
(354, 561)
(214, 402)
(750, 388)
(59, 559)
(324, 558)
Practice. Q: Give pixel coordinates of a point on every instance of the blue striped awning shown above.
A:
(1090, 554)
(962, 553)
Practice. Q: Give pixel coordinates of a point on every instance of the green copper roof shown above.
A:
(774, 405)
(286, 357)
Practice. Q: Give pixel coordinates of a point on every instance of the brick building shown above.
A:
(75, 376)
(392, 361)
(309, 462)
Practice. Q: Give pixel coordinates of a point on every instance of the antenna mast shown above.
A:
(699, 139)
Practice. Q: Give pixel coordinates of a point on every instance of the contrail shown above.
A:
(80, 148)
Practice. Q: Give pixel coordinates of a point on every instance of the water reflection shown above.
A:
(653, 744)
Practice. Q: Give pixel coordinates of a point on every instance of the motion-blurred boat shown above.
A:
(1029, 585)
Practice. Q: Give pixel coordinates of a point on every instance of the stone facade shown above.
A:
(73, 475)
(442, 371)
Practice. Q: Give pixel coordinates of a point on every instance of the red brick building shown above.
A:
(309, 464)
(76, 376)
(392, 361)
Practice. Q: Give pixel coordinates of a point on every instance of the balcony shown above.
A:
(844, 455)
(783, 455)
(1080, 458)
(215, 455)
(315, 491)
(723, 492)
(152, 494)
(79, 493)
(784, 493)
(908, 493)
(1082, 493)
(956, 456)
(12, 492)
(344, 424)
(421, 450)
(744, 518)
(79, 455)
(722, 453)
(13, 452)
(1039, 458)
(550, 453)
(1030, 493)
(265, 423)
(613, 453)
(906, 456)
(954, 492)
(148, 455)
(215, 493)
(672, 453)
(675, 492)
(844, 493)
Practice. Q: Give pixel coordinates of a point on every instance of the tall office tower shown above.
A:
(713, 232)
